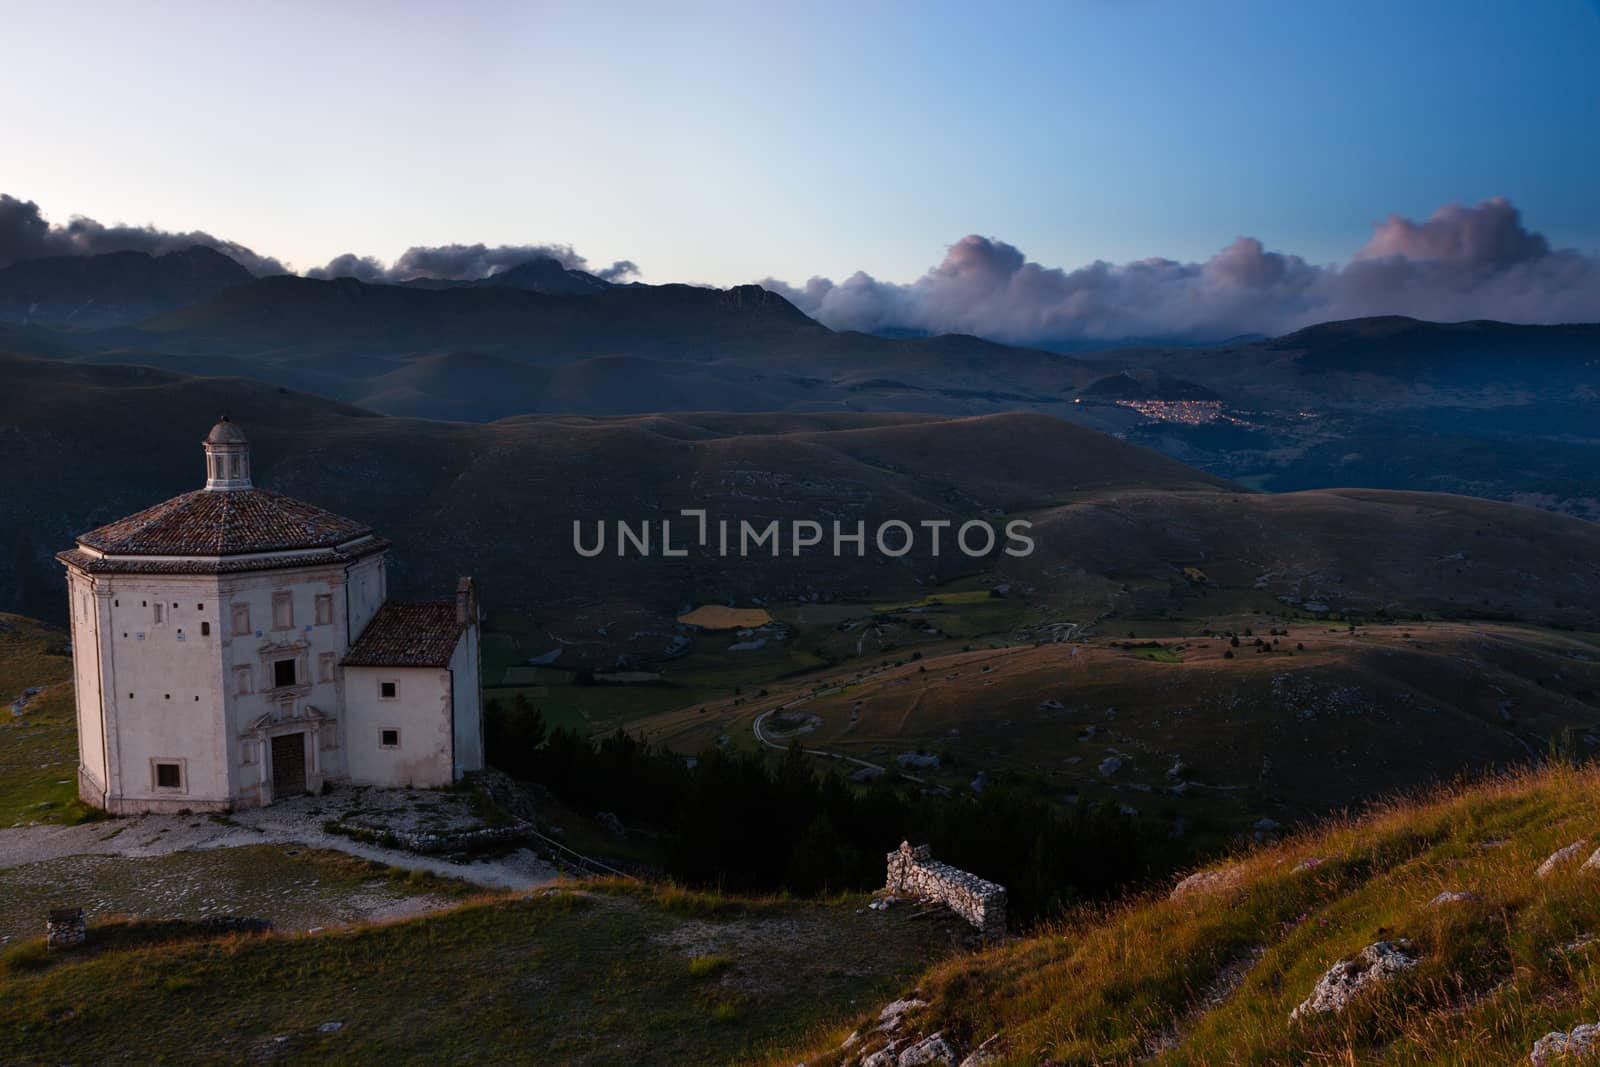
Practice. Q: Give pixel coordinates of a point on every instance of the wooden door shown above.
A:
(288, 765)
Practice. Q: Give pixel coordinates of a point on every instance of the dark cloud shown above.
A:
(463, 263)
(1460, 263)
(24, 234)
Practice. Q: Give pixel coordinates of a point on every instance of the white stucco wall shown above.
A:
(420, 711)
(86, 609)
(317, 648)
(165, 690)
(162, 692)
(366, 590)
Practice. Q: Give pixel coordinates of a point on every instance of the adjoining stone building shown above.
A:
(233, 646)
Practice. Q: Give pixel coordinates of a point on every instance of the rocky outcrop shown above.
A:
(982, 903)
(1579, 1043)
(1347, 979)
(1215, 880)
(930, 1050)
(1452, 897)
(1559, 857)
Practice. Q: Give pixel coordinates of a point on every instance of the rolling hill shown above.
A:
(1115, 524)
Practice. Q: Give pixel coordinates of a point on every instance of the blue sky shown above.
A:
(725, 143)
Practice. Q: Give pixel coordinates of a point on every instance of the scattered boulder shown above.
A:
(1310, 863)
(330, 1028)
(1110, 765)
(1452, 897)
(884, 1057)
(931, 1049)
(1212, 881)
(1560, 856)
(1558, 1047)
(1345, 980)
(893, 1013)
(926, 762)
(1593, 862)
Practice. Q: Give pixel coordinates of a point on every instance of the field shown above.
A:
(39, 743)
(1313, 718)
(1212, 976)
(598, 974)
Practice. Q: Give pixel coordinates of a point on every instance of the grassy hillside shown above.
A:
(39, 738)
(595, 974)
(1212, 976)
(1319, 718)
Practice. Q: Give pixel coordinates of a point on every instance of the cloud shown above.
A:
(464, 263)
(1460, 263)
(24, 234)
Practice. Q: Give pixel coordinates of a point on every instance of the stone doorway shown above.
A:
(288, 765)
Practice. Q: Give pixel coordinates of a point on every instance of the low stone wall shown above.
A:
(65, 928)
(914, 872)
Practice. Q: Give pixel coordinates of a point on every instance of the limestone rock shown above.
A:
(1345, 980)
(884, 1057)
(1452, 897)
(893, 1013)
(1560, 856)
(1593, 862)
(1213, 881)
(1581, 1042)
(931, 1049)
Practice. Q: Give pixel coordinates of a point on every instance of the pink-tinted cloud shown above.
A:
(1460, 263)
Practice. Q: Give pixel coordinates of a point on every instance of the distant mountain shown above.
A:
(541, 274)
(112, 289)
(1485, 408)
(1144, 385)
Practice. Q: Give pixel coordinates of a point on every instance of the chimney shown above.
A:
(466, 602)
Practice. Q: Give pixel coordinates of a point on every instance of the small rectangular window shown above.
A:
(158, 608)
(324, 609)
(283, 611)
(325, 667)
(283, 672)
(241, 619)
(205, 629)
(241, 681)
(169, 776)
(388, 738)
(388, 690)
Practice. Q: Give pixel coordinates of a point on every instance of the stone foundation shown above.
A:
(914, 872)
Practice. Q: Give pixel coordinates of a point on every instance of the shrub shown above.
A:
(706, 966)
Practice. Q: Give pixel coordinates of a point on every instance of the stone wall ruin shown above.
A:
(913, 872)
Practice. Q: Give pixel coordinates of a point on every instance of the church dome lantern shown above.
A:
(227, 457)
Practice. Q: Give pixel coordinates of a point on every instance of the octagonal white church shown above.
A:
(233, 646)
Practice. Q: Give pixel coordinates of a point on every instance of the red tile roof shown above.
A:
(408, 634)
(224, 523)
(220, 565)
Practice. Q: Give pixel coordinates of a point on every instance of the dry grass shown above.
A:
(721, 617)
(1158, 980)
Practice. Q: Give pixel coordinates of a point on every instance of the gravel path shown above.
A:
(298, 821)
